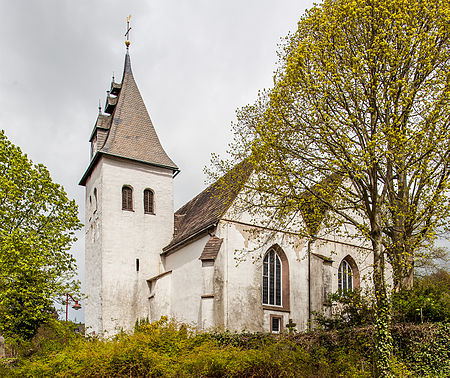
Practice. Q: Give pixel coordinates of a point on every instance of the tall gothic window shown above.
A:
(127, 198)
(272, 279)
(148, 202)
(346, 276)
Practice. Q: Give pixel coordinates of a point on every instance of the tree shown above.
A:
(361, 100)
(431, 261)
(37, 227)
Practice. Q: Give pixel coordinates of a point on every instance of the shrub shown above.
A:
(168, 349)
(428, 301)
(349, 309)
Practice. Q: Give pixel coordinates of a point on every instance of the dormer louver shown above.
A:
(115, 88)
(99, 133)
(111, 102)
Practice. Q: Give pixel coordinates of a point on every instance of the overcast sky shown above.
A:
(195, 62)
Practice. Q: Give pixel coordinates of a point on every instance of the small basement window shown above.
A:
(137, 265)
(275, 324)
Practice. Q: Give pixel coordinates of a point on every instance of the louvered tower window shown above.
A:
(148, 202)
(127, 198)
(272, 279)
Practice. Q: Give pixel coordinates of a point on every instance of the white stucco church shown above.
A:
(143, 260)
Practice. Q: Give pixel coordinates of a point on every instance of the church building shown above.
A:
(145, 260)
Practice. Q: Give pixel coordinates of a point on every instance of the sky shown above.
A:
(195, 63)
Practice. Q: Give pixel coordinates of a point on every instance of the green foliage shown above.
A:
(428, 301)
(37, 226)
(423, 349)
(169, 349)
(349, 309)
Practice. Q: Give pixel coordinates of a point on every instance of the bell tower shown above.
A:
(129, 209)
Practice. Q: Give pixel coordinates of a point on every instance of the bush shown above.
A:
(168, 349)
(423, 349)
(428, 301)
(349, 309)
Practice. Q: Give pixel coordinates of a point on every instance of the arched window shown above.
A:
(275, 280)
(127, 198)
(148, 202)
(272, 279)
(348, 275)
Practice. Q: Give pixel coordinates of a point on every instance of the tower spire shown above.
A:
(127, 34)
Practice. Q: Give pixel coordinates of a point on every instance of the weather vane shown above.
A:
(127, 34)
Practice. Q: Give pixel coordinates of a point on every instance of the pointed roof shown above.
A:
(131, 133)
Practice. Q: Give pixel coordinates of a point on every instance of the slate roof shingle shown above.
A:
(211, 248)
(132, 134)
(206, 209)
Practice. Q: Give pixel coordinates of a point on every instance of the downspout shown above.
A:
(309, 284)
(310, 241)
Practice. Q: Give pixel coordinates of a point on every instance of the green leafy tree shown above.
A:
(357, 127)
(37, 227)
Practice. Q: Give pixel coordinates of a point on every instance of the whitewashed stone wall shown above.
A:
(93, 252)
(243, 309)
(123, 237)
(160, 297)
(2, 347)
(187, 282)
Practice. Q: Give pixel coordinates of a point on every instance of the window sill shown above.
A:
(131, 210)
(146, 212)
(276, 308)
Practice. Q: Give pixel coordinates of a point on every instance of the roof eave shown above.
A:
(172, 248)
(172, 168)
(91, 166)
(175, 170)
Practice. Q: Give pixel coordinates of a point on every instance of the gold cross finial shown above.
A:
(127, 34)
